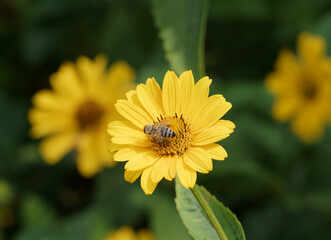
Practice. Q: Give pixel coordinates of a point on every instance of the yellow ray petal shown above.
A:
(55, 147)
(307, 118)
(198, 159)
(48, 100)
(148, 101)
(146, 183)
(186, 175)
(213, 110)
(88, 161)
(125, 133)
(186, 81)
(172, 168)
(215, 151)
(131, 176)
(125, 154)
(171, 96)
(46, 123)
(213, 134)
(311, 47)
(141, 161)
(66, 82)
(155, 91)
(160, 169)
(286, 107)
(133, 113)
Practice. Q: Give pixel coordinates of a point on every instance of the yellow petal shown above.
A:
(133, 113)
(149, 103)
(125, 133)
(307, 125)
(55, 147)
(217, 132)
(131, 176)
(125, 154)
(88, 160)
(171, 96)
(160, 169)
(66, 82)
(286, 107)
(155, 91)
(46, 123)
(114, 147)
(172, 169)
(92, 72)
(215, 151)
(120, 73)
(214, 108)
(48, 100)
(146, 183)
(186, 81)
(201, 91)
(186, 175)
(141, 161)
(311, 47)
(198, 160)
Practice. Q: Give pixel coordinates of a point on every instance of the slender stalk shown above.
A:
(209, 213)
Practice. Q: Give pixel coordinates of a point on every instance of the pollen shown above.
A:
(88, 114)
(177, 145)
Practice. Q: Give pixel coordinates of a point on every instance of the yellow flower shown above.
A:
(75, 114)
(126, 233)
(184, 108)
(302, 86)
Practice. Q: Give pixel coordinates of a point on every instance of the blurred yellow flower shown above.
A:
(182, 138)
(302, 86)
(126, 233)
(75, 114)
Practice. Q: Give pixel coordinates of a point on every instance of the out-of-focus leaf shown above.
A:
(248, 10)
(165, 221)
(197, 222)
(323, 27)
(182, 25)
(33, 208)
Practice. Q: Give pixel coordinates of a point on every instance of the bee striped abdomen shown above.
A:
(167, 132)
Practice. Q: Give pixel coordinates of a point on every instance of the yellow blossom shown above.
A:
(126, 233)
(181, 106)
(302, 87)
(75, 113)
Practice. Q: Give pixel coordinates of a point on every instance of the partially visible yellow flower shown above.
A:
(126, 233)
(75, 113)
(186, 109)
(302, 86)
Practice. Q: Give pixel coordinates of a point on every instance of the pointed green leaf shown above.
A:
(182, 25)
(196, 220)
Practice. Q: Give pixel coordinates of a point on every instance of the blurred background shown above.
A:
(278, 187)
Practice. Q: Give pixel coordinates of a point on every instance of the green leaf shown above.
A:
(34, 207)
(182, 25)
(196, 220)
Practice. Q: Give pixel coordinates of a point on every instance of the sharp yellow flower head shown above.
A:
(170, 131)
(126, 233)
(302, 87)
(75, 113)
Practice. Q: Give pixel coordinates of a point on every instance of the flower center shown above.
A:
(176, 145)
(88, 114)
(308, 89)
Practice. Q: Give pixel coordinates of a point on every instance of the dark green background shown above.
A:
(278, 187)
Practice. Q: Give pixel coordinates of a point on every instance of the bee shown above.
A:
(159, 131)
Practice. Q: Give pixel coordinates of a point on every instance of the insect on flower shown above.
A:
(159, 131)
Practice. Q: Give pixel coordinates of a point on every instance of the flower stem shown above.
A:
(209, 213)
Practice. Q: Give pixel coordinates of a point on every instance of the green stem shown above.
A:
(209, 213)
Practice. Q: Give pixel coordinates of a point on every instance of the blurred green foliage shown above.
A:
(277, 187)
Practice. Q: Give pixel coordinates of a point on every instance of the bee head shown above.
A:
(148, 129)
